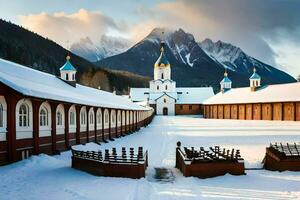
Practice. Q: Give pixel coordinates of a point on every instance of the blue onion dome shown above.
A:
(67, 66)
(226, 79)
(255, 75)
(162, 60)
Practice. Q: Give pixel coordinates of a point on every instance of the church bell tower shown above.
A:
(162, 67)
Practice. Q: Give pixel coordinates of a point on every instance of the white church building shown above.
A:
(165, 97)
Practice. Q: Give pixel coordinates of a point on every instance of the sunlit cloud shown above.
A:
(62, 27)
(258, 27)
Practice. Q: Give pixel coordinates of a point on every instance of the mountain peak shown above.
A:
(107, 46)
(228, 55)
(193, 63)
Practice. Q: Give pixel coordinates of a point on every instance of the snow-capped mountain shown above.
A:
(230, 56)
(107, 46)
(193, 63)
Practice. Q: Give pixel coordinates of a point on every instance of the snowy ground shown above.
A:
(46, 177)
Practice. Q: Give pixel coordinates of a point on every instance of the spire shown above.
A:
(162, 60)
(255, 80)
(68, 56)
(226, 82)
(68, 72)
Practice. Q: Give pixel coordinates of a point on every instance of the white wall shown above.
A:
(71, 74)
(170, 104)
(160, 86)
(158, 71)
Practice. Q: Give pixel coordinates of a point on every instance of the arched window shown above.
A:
(162, 76)
(73, 77)
(83, 117)
(119, 116)
(106, 117)
(166, 87)
(72, 118)
(158, 87)
(67, 77)
(99, 117)
(24, 116)
(165, 100)
(59, 118)
(1, 116)
(91, 118)
(113, 118)
(44, 116)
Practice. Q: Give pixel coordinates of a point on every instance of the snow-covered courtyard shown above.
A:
(51, 177)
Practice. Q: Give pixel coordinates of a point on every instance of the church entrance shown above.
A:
(165, 111)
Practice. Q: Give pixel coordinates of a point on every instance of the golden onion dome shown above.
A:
(162, 60)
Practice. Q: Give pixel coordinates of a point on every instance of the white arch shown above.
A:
(127, 117)
(131, 117)
(60, 119)
(45, 120)
(119, 118)
(83, 119)
(123, 118)
(99, 119)
(106, 119)
(134, 117)
(91, 119)
(24, 120)
(72, 119)
(3, 119)
(113, 118)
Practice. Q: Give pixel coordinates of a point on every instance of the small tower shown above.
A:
(162, 68)
(68, 72)
(255, 80)
(225, 83)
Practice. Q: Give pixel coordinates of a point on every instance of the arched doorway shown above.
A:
(165, 111)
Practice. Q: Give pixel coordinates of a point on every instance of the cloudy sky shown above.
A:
(268, 30)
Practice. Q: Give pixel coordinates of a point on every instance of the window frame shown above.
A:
(44, 117)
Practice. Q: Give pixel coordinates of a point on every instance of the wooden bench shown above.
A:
(282, 157)
(128, 164)
(209, 163)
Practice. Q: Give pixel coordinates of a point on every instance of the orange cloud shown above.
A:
(61, 27)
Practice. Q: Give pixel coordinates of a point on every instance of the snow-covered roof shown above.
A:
(155, 96)
(183, 95)
(67, 67)
(33, 83)
(139, 94)
(193, 95)
(289, 92)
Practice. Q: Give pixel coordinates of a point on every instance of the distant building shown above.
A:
(165, 97)
(42, 113)
(256, 102)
